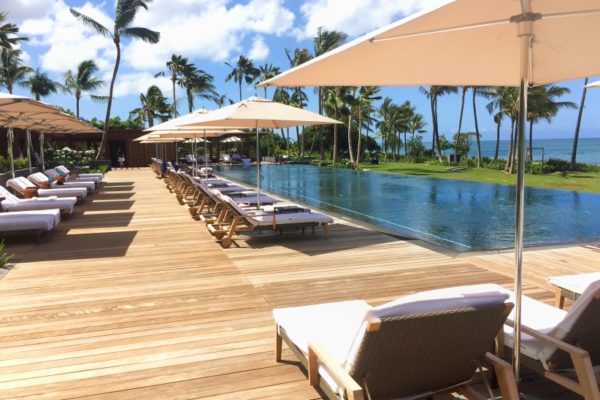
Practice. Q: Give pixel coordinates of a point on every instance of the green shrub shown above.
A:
(4, 257)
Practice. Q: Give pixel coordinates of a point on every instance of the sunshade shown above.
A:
(593, 85)
(257, 112)
(471, 43)
(25, 113)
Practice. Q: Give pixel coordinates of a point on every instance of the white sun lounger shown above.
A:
(571, 286)
(414, 347)
(42, 180)
(39, 222)
(88, 184)
(555, 342)
(24, 186)
(95, 176)
(53, 172)
(12, 203)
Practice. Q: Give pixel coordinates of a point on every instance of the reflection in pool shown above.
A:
(458, 214)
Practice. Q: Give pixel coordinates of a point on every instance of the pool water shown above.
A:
(458, 214)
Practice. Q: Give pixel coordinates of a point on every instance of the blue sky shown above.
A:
(210, 32)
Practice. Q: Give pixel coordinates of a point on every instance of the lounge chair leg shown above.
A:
(559, 299)
(587, 379)
(506, 378)
(325, 230)
(278, 344)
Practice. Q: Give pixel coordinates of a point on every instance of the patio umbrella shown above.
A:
(475, 43)
(25, 113)
(257, 112)
(593, 85)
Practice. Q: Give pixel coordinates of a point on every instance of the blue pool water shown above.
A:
(458, 214)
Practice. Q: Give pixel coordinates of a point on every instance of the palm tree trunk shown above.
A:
(460, 118)
(110, 98)
(298, 139)
(350, 151)
(302, 144)
(240, 85)
(530, 152)
(190, 98)
(431, 105)
(476, 128)
(405, 146)
(510, 146)
(335, 141)
(357, 159)
(174, 98)
(289, 153)
(321, 148)
(578, 126)
(265, 92)
(437, 133)
(497, 139)
(77, 105)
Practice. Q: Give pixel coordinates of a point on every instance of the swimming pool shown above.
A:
(458, 214)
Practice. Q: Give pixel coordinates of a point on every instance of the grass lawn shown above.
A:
(580, 181)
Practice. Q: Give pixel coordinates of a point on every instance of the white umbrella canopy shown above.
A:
(471, 43)
(259, 112)
(595, 84)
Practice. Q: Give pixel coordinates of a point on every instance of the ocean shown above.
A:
(588, 149)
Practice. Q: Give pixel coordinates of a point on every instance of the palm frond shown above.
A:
(92, 23)
(144, 34)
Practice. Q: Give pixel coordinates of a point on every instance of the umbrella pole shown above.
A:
(205, 157)
(11, 159)
(194, 161)
(257, 168)
(28, 136)
(42, 151)
(525, 33)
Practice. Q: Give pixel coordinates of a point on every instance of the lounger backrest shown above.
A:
(51, 172)
(427, 342)
(19, 184)
(231, 205)
(8, 196)
(38, 177)
(580, 327)
(62, 169)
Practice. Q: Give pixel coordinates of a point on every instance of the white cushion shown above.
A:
(79, 184)
(63, 192)
(333, 325)
(65, 204)
(574, 283)
(29, 220)
(8, 196)
(290, 218)
(19, 184)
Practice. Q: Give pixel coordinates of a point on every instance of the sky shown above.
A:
(212, 32)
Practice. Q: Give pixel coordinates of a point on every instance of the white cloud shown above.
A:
(204, 29)
(259, 50)
(21, 10)
(138, 82)
(356, 17)
(66, 41)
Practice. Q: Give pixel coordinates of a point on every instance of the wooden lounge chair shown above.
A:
(28, 189)
(10, 202)
(69, 182)
(558, 344)
(417, 346)
(96, 177)
(243, 220)
(39, 223)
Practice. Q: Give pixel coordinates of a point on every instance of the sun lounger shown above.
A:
(27, 189)
(10, 202)
(571, 286)
(65, 181)
(243, 220)
(558, 344)
(96, 177)
(38, 222)
(417, 346)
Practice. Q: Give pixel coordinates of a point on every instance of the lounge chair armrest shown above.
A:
(316, 354)
(559, 344)
(506, 377)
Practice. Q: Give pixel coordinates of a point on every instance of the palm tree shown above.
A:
(83, 81)
(243, 71)
(460, 119)
(11, 69)
(388, 113)
(578, 125)
(282, 95)
(433, 94)
(7, 32)
(299, 99)
(499, 96)
(483, 91)
(267, 71)
(298, 57)
(153, 105)
(415, 124)
(125, 13)
(351, 102)
(175, 68)
(197, 83)
(366, 96)
(323, 42)
(40, 85)
(333, 103)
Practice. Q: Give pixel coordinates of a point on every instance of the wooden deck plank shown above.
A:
(131, 298)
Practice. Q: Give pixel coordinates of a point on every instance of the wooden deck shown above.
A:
(132, 299)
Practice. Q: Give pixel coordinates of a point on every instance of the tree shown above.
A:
(11, 69)
(298, 57)
(433, 93)
(198, 83)
(388, 112)
(267, 71)
(323, 42)
(366, 96)
(578, 125)
(153, 105)
(499, 96)
(299, 99)
(415, 124)
(40, 85)
(333, 102)
(282, 95)
(351, 102)
(83, 81)
(175, 67)
(125, 13)
(460, 119)
(7, 33)
(242, 71)
(483, 91)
